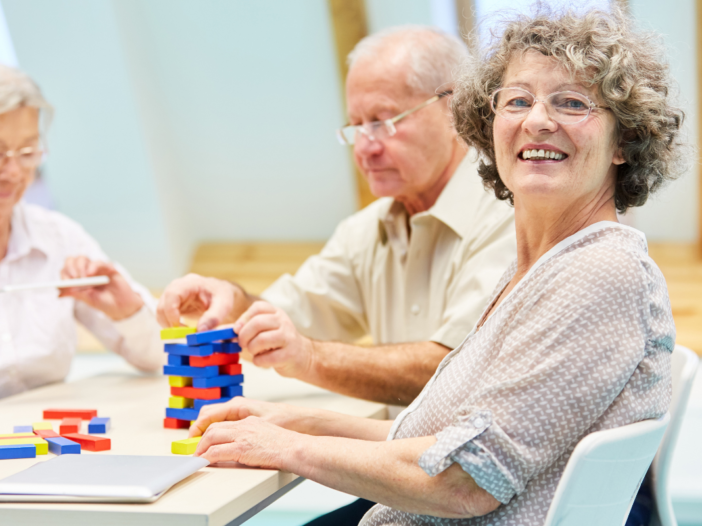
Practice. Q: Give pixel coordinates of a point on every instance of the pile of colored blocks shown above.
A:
(40, 438)
(203, 368)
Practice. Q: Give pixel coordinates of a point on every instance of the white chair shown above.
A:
(684, 366)
(604, 473)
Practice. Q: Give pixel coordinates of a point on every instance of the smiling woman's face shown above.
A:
(18, 129)
(589, 154)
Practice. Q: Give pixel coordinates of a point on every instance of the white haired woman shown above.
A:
(37, 327)
(573, 119)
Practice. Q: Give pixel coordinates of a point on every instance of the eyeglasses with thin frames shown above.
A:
(379, 130)
(564, 107)
(27, 157)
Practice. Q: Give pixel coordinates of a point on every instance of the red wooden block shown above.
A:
(89, 442)
(174, 423)
(46, 433)
(69, 425)
(217, 358)
(209, 393)
(60, 414)
(230, 369)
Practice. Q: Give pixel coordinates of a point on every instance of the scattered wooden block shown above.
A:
(41, 425)
(18, 451)
(182, 414)
(173, 333)
(60, 414)
(180, 402)
(41, 445)
(185, 447)
(231, 369)
(174, 423)
(18, 435)
(201, 338)
(63, 446)
(23, 429)
(217, 381)
(193, 372)
(180, 381)
(194, 392)
(214, 359)
(46, 433)
(89, 442)
(70, 425)
(99, 425)
(199, 404)
(230, 391)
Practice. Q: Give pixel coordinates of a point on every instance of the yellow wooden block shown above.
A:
(173, 333)
(42, 425)
(41, 444)
(180, 381)
(185, 447)
(13, 435)
(180, 402)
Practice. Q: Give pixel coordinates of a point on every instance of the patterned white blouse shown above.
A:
(582, 343)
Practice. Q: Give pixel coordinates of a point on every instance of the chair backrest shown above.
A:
(684, 365)
(604, 473)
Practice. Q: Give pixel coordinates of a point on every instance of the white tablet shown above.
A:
(98, 478)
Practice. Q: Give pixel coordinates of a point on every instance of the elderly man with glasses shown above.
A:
(413, 269)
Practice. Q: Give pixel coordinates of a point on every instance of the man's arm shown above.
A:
(391, 374)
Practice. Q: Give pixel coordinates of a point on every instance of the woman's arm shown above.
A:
(385, 472)
(305, 420)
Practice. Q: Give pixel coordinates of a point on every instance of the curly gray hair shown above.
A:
(601, 49)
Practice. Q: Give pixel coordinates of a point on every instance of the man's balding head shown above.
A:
(428, 56)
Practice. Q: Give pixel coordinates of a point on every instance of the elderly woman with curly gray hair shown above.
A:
(572, 118)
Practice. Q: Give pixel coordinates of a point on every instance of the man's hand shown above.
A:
(269, 335)
(252, 442)
(116, 299)
(214, 301)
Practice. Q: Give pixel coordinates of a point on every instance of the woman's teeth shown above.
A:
(542, 155)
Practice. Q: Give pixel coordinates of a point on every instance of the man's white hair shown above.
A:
(432, 55)
(17, 89)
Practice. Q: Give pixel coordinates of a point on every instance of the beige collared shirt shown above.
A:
(373, 277)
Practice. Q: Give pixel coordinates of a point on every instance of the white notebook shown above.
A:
(98, 478)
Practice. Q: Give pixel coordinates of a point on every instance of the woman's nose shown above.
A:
(538, 120)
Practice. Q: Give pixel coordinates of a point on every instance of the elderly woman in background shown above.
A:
(572, 118)
(37, 327)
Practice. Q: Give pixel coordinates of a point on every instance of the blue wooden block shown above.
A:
(18, 451)
(63, 446)
(177, 359)
(230, 347)
(194, 372)
(230, 391)
(98, 425)
(23, 429)
(192, 350)
(200, 338)
(200, 403)
(218, 381)
(182, 414)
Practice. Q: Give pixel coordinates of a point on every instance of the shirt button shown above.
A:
(7, 337)
(415, 309)
(478, 422)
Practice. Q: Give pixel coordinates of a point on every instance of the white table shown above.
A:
(213, 496)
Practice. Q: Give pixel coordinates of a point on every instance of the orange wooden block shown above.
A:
(60, 414)
(209, 393)
(89, 442)
(46, 433)
(230, 369)
(69, 425)
(217, 358)
(174, 423)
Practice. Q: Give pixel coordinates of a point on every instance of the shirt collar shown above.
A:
(456, 205)
(22, 237)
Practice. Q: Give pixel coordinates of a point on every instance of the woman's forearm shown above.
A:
(389, 473)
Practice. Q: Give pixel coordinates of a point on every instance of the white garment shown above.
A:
(37, 328)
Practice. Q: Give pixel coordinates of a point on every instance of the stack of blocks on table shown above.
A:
(203, 370)
(40, 438)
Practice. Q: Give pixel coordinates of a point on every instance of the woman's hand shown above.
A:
(117, 299)
(252, 441)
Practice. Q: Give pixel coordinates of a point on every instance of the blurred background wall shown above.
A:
(185, 121)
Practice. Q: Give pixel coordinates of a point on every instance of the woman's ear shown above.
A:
(618, 157)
